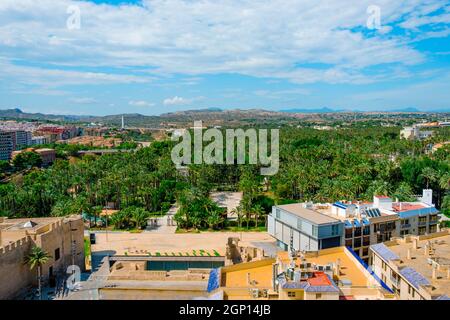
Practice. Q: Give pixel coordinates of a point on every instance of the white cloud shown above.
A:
(266, 38)
(52, 77)
(176, 101)
(140, 103)
(83, 100)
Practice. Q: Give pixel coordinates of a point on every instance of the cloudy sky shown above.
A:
(154, 56)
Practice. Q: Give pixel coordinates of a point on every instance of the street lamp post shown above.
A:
(106, 223)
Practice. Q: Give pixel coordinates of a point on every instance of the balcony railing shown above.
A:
(395, 281)
(422, 223)
(406, 226)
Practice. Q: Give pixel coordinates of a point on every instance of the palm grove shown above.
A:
(319, 166)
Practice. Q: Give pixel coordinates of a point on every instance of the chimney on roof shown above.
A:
(337, 267)
(434, 273)
(415, 243)
(408, 254)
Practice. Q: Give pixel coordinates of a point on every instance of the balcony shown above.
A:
(395, 281)
(422, 223)
(406, 226)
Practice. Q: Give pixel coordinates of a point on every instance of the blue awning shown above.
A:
(356, 222)
(340, 205)
(348, 224)
(365, 221)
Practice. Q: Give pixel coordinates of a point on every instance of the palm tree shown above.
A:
(258, 211)
(444, 181)
(429, 174)
(139, 216)
(37, 258)
(239, 211)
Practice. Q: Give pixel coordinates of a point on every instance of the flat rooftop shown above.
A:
(311, 215)
(350, 270)
(13, 230)
(408, 206)
(119, 243)
(260, 272)
(420, 262)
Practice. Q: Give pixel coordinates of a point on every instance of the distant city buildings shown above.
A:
(6, 145)
(414, 133)
(19, 135)
(438, 146)
(357, 225)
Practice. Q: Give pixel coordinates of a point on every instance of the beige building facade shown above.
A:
(61, 238)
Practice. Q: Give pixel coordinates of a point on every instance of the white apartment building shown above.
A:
(414, 267)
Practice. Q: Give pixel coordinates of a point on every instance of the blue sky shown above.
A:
(156, 56)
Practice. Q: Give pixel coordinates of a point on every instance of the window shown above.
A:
(411, 291)
(357, 242)
(291, 294)
(299, 224)
(315, 231)
(366, 241)
(422, 230)
(349, 243)
(366, 230)
(318, 296)
(348, 233)
(335, 229)
(357, 232)
(57, 254)
(365, 252)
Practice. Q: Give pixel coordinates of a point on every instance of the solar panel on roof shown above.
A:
(373, 213)
(414, 277)
(384, 252)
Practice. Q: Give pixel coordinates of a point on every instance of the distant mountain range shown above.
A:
(321, 110)
(210, 115)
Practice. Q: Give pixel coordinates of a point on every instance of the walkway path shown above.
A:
(163, 224)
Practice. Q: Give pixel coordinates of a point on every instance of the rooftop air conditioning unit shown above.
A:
(304, 275)
(265, 293)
